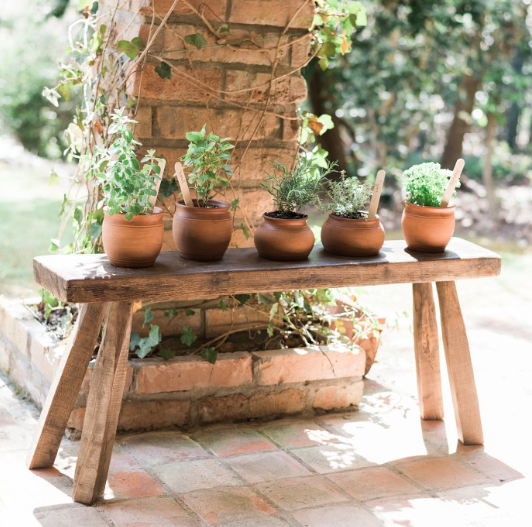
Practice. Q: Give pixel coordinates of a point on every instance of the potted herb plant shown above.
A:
(203, 231)
(350, 230)
(132, 231)
(428, 219)
(284, 235)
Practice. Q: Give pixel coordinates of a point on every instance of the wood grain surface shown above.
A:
(91, 278)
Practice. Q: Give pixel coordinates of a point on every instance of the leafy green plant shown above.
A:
(349, 197)
(208, 157)
(293, 187)
(425, 184)
(126, 185)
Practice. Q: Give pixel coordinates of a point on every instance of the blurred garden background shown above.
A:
(427, 81)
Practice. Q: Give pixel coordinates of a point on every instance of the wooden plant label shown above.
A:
(183, 184)
(377, 190)
(457, 172)
(153, 199)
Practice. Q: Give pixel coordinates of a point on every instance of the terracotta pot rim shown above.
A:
(224, 206)
(156, 210)
(304, 218)
(361, 222)
(427, 209)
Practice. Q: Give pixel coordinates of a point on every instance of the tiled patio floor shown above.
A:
(380, 466)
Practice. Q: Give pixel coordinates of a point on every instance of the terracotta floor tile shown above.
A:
(489, 466)
(415, 511)
(334, 457)
(267, 466)
(296, 435)
(337, 516)
(227, 504)
(132, 484)
(370, 483)
(233, 442)
(187, 476)
(160, 512)
(444, 473)
(75, 515)
(254, 521)
(121, 462)
(156, 448)
(298, 493)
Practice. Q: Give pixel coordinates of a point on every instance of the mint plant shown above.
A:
(126, 185)
(425, 184)
(208, 156)
(348, 197)
(294, 187)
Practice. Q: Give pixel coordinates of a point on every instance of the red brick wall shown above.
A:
(205, 88)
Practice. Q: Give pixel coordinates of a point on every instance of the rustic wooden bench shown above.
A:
(106, 294)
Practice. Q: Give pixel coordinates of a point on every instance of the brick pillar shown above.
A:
(204, 89)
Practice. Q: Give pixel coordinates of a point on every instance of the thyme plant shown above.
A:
(294, 187)
(349, 197)
(425, 184)
(126, 185)
(208, 157)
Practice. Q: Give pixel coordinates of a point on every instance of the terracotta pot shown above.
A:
(427, 229)
(284, 239)
(349, 237)
(202, 233)
(135, 243)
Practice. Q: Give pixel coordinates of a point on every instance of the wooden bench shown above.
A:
(107, 294)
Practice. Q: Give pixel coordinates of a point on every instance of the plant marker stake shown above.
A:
(153, 199)
(457, 172)
(377, 189)
(183, 185)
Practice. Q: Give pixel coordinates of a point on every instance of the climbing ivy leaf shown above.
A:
(127, 47)
(209, 354)
(166, 354)
(188, 337)
(148, 316)
(196, 39)
(164, 71)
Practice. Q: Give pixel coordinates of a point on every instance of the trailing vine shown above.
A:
(102, 65)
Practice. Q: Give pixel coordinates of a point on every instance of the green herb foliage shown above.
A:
(349, 197)
(425, 184)
(294, 187)
(208, 156)
(126, 185)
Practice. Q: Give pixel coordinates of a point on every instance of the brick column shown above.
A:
(205, 87)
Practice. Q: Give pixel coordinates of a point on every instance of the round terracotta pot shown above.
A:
(284, 239)
(427, 229)
(135, 243)
(202, 233)
(349, 237)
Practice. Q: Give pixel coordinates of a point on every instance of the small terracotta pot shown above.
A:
(284, 239)
(202, 233)
(135, 243)
(349, 237)
(427, 229)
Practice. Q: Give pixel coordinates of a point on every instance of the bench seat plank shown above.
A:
(91, 278)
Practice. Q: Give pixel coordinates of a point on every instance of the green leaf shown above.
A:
(127, 47)
(148, 316)
(164, 71)
(166, 354)
(95, 230)
(54, 178)
(54, 245)
(234, 205)
(209, 354)
(171, 313)
(146, 345)
(188, 337)
(138, 42)
(196, 39)
(190, 312)
(168, 187)
(242, 298)
(223, 305)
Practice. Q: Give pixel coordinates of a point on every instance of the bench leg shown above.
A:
(103, 405)
(427, 353)
(65, 387)
(459, 366)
